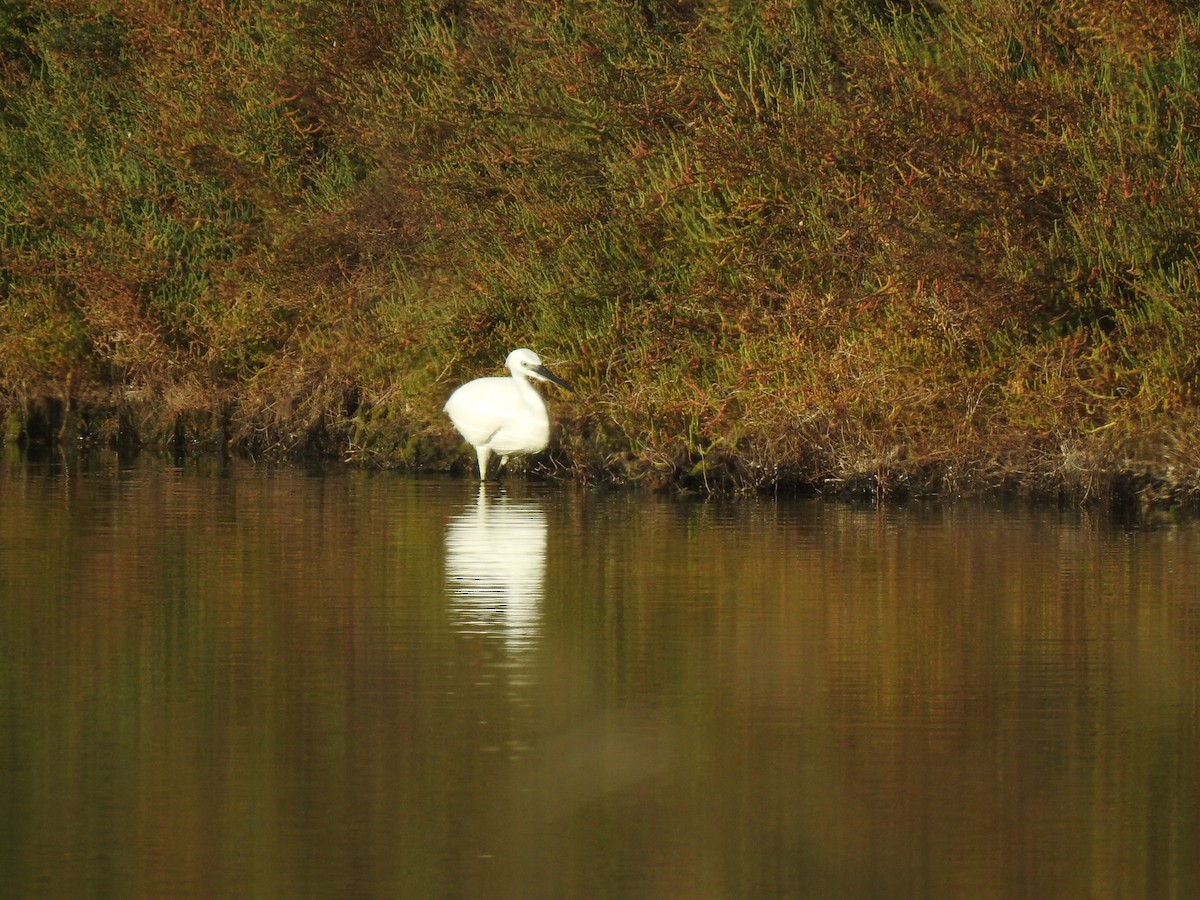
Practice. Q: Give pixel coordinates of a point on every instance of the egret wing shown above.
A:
(481, 407)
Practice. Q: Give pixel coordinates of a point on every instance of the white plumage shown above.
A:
(505, 416)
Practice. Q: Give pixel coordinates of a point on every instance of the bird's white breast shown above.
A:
(504, 414)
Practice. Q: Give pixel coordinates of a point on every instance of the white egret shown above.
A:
(506, 416)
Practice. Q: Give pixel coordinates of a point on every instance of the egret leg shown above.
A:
(484, 455)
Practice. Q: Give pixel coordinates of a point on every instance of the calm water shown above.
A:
(235, 682)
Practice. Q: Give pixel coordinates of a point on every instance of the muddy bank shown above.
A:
(601, 454)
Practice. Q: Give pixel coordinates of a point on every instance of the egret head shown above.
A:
(525, 363)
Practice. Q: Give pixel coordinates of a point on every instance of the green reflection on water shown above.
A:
(262, 683)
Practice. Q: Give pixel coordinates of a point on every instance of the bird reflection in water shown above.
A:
(496, 566)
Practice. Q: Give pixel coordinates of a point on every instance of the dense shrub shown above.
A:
(933, 245)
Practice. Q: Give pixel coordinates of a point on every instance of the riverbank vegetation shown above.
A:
(868, 245)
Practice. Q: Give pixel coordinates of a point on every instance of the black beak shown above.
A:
(545, 373)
